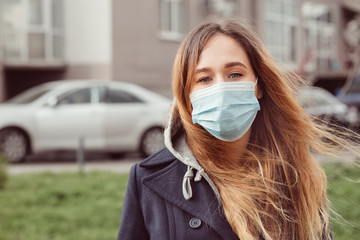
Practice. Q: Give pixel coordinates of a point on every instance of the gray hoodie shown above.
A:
(175, 141)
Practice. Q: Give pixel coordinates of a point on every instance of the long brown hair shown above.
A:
(275, 189)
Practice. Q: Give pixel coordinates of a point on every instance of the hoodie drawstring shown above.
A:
(186, 186)
(189, 175)
(198, 175)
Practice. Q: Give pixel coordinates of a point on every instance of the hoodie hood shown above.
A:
(175, 141)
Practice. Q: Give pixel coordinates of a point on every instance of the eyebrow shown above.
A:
(227, 65)
(232, 64)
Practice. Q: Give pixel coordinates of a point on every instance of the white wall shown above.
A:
(87, 32)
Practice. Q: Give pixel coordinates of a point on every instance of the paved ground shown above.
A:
(122, 166)
(60, 163)
(346, 158)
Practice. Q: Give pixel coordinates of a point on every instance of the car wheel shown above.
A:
(152, 141)
(13, 143)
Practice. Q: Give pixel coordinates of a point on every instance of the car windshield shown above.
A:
(355, 86)
(29, 96)
(315, 98)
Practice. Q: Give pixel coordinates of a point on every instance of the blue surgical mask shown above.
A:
(226, 110)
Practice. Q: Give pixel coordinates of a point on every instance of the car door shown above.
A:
(124, 118)
(77, 113)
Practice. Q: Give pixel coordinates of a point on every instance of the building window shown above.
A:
(221, 8)
(33, 30)
(320, 39)
(281, 19)
(172, 19)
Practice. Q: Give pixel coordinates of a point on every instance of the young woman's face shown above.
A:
(223, 60)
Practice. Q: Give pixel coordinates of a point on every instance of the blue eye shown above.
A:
(235, 75)
(204, 80)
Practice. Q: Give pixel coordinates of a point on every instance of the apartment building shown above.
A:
(136, 41)
(47, 40)
(307, 35)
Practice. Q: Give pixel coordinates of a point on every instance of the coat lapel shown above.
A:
(167, 183)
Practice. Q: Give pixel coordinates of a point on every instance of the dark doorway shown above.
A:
(18, 80)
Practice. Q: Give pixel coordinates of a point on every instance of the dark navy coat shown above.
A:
(154, 206)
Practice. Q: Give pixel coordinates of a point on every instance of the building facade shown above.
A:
(47, 40)
(146, 35)
(136, 41)
(307, 35)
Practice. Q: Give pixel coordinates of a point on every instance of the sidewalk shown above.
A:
(346, 158)
(119, 166)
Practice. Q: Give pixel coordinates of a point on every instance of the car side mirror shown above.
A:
(51, 102)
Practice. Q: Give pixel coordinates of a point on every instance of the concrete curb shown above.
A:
(121, 166)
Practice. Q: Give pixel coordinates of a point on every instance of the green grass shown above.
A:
(62, 206)
(88, 206)
(344, 195)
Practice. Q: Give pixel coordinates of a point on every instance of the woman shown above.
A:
(238, 162)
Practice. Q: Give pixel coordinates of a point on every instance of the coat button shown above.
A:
(195, 223)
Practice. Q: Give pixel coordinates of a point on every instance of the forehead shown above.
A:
(221, 49)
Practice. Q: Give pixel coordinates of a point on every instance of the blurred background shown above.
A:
(135, 41)
(121, 53)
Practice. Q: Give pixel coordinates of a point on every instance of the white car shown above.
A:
(320, 103)
(110, 116)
